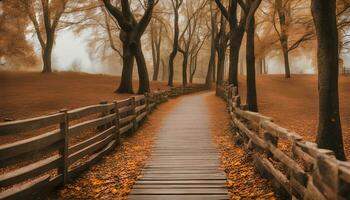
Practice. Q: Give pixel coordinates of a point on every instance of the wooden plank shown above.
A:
(292, 165)
(125, 109)
(184, 160)
(181, 182)
(28, 145)
(280, 132)
(139, 108)
(29, 155)
(124, 102)
(127, 119)
(139, 98)
(178, 197)
(89, 149)
(252, 116)
(91, 140)
(255, 139)
(89, 110)
(76, 170)
(125, 128)
(141, 116)
(29, 171)
(18, 126)
(26, 190)
(75, 129)
(152, 186)
(276, 174)
(188, 191)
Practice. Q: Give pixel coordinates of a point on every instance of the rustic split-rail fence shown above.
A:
(59, 160)
(296, 167)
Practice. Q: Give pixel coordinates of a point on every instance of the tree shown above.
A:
(193, 19)
(329, 133)
(14, 48)
(250, 7)
(236, 33)
(48, 12)
(176, 6)
(213, 39)
(130, 36)
(221, 47)
(156, 40)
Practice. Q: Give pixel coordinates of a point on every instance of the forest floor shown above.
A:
(29, 94)
(114, 176)
(243, 181)
(293, 103)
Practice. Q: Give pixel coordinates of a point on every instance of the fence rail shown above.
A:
(108, 120)
(297, 168)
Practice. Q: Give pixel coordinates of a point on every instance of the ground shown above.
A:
(293, 103)
(243, 182)
(114, 176)
(28, 94)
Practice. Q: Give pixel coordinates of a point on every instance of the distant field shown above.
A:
(28, 94)
(293, 103)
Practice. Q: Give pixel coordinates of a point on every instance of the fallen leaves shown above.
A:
(243, 182)
(114, 176)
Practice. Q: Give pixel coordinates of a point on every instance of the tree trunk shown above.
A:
(142, 70)
(175, 48)
(221, 64)
(209, 78)
(156, 42)
(235, 45)
(165, 70)
(282, 15)
(184, 69)
(47, 53)
(128, 65)
(214, 67)
(250, 60)
(284, 43)
(329, 133)
(194, 63)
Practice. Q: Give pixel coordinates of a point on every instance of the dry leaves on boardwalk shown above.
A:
(114, 176)
(243, 182)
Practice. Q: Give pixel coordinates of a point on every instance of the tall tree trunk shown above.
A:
(156, 42)
(175, 46)
(194, 67)
(165, 70)
(47, 54)
(214, 68)
(209, 77)
(329, 133)
(142, 70)
(235, 45)
(184, 69)
(221, 64)
(250, 60)
(282, 15)
(128, 65)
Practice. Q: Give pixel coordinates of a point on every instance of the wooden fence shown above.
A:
(59, 161)
(297, 168)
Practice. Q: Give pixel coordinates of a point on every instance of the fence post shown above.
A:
(147, 99)
(116, 123)
(133, 105)
(270, 140)
(63, 169)
(103, 127)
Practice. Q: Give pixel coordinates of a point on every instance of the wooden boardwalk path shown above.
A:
(184, 163)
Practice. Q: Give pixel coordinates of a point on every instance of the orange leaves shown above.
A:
(243, 182)
(115, 175)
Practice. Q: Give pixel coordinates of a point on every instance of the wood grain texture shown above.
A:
(184, 162)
